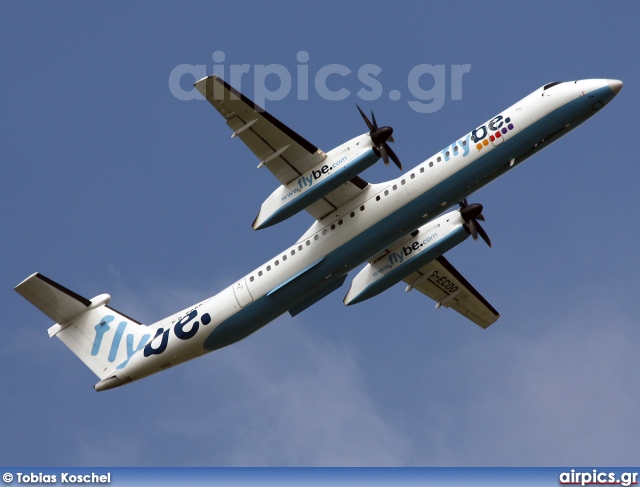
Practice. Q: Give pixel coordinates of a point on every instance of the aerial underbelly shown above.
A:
(499, 158)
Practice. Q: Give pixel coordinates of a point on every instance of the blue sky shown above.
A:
(112, 184)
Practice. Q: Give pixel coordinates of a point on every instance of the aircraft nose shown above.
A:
(615, 85)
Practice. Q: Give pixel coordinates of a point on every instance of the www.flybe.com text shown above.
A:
(316, 174)
(306, 182)
(406, 251)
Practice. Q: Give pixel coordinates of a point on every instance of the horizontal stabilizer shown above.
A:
(100, 336)
(56, 301)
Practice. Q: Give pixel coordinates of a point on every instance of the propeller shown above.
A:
(471, 214)
(380, 136)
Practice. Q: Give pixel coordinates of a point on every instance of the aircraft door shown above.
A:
(242, 294)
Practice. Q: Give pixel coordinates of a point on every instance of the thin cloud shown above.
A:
(568, 395)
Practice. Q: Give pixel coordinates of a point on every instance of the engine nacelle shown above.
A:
(407, 256)
(342, 164)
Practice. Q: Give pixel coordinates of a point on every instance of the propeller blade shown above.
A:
(375, 124)
(471, 213)
(393, 156)
(473, 229)
(383, 153)
(484, 235)
(371, 128)
(380, 137)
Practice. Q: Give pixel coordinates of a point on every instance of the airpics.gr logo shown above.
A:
(492, 131)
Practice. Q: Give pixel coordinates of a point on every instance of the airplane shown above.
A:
(400, 229)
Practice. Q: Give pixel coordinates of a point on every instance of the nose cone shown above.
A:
(615, 85)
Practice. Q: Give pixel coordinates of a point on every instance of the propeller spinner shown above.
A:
(471, 214)
(380, 136)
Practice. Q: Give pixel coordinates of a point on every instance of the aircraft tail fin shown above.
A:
(89, 328)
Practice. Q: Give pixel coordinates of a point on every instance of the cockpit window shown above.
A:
(547, 86)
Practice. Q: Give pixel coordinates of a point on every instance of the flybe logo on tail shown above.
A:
(103, 327)
(184, 329)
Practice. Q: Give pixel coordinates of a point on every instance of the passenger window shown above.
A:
(439, 158)
(293, 252)
(333, 226)
(353, 213)
(362, 208)
(251, 279)
(386, 192)
(430, 163)
(259, 273)
(325, 231)
(284, 257)
(268, 268)
(299, 247)
(395, 186)
(422, 168)
(378, 198)
(340, 221)
(277, 262)
(413, 176)
(308, 242)
(316, 237)
(402, 182)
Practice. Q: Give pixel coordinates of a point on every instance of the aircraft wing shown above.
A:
(440, 281)
(285, 153)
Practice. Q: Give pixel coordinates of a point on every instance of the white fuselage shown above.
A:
(383, 213)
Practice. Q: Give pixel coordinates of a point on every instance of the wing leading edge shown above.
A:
(284, 152)
(440, 281)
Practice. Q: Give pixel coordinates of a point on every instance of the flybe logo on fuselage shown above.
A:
(454, 149)
(307, 181)
(493, 130)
